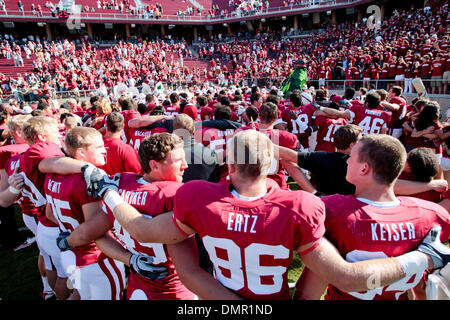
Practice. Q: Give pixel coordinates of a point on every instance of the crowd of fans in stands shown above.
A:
(409, 44)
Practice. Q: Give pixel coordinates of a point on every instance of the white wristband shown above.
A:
(113, 199)
(14, 190)
(414, 262)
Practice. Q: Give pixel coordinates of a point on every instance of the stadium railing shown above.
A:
(94, 16)
(334, 85)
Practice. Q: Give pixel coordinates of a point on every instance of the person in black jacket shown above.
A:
(327, 169)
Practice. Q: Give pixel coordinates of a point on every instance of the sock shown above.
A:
(45, 284)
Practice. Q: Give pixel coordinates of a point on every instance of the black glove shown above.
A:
(143, 266)
(432, 246)
(61, 241)
(98, 182)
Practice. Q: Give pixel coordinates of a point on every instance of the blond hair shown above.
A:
(251, 152)
(35, 126)
(183, 121)
(16, 122)
(79, 137)
(103, 107)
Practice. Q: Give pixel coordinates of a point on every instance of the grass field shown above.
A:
(20, 279)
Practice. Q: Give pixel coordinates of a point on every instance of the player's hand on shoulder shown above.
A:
(439, 185)
(143, 265)
(92, 175)
(432, 246)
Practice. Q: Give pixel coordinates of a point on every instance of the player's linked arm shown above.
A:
(297, 174)
(283, 153)
(185, 258)
(160, 229)
(408, 187)
(61, 165)
(309, 286)
(145, 121)
(326, 262)
(113, 249)
(95, 225)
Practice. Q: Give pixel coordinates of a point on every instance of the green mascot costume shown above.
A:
(296, 80)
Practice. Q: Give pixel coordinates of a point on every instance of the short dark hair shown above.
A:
(252, 112)
(128, 104)
(114, 122)
(65, 115)
(268, 112)
(397, 90)
(255, 97)
(158, 111)
(222, 113)
(320, 95)
(202, 101)
(423, 164)
(142, 108)
(349, 93)
(42, 105)
(174, 97)
(296, 99)
(156, 147)
(372, 100)
(385, 155)
(273, 98)
(224, 100)
(346, 135)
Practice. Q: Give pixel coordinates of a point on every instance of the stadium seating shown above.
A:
(11, 6)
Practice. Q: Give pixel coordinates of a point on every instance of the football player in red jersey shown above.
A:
(326, 127)
(269, 115)
(374, 223)
(367, 117)
(9, 160)
(43, 136)
(120, 157)
(93, 275)
(250, 229)
(163, 161)
(397, 108)
(299, 118)
(145, 126)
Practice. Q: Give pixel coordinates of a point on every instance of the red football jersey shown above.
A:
(150, 199)
(363, 232)
(127, 116)
(6, 152)
(304, 119)
(281, 138)
(67, 209)
(370, 120)
(172, 110)
(10, 165)
(325, 133)
(33, 191)
(251, 243)
(120, 157)
(139, 134)
(397, 115)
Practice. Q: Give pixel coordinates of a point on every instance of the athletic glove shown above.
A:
(98, 182)
(143, 266)
(432, 246)
(61, 241)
